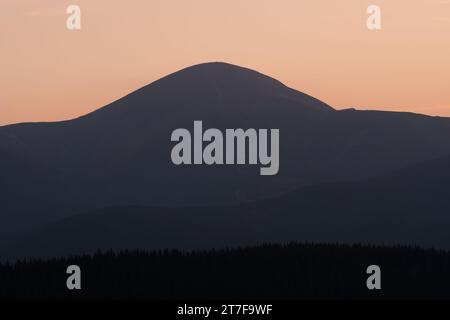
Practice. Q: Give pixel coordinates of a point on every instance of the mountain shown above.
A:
(410, 206)
(119, 155)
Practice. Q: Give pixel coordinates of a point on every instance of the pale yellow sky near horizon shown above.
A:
(319, 47)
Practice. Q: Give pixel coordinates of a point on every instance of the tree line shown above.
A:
(268, 271)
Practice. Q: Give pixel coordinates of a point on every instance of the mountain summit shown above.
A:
(214, 85)
(227, 80)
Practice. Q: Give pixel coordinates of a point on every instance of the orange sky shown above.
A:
(320, 47)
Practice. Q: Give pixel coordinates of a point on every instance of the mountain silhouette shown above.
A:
(119, 155)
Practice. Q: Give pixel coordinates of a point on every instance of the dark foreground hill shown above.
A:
(294, 271)
(409, 206)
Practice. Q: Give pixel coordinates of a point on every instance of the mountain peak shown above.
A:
(223, 69)
(230, 81)
(211, 84)
(217, 65)
(223, 74)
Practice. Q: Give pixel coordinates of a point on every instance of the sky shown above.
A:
(320, 47)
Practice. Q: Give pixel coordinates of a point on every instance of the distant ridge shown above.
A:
(409, 207)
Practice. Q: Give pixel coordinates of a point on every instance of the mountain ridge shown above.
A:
(375, 210)
(120, 155)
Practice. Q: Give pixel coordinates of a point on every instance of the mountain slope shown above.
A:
(409, 206)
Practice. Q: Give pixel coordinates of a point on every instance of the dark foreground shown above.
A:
(294, 271)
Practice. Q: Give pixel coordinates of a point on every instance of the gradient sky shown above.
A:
(320, 47)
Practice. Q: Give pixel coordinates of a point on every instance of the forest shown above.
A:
(267, 271)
